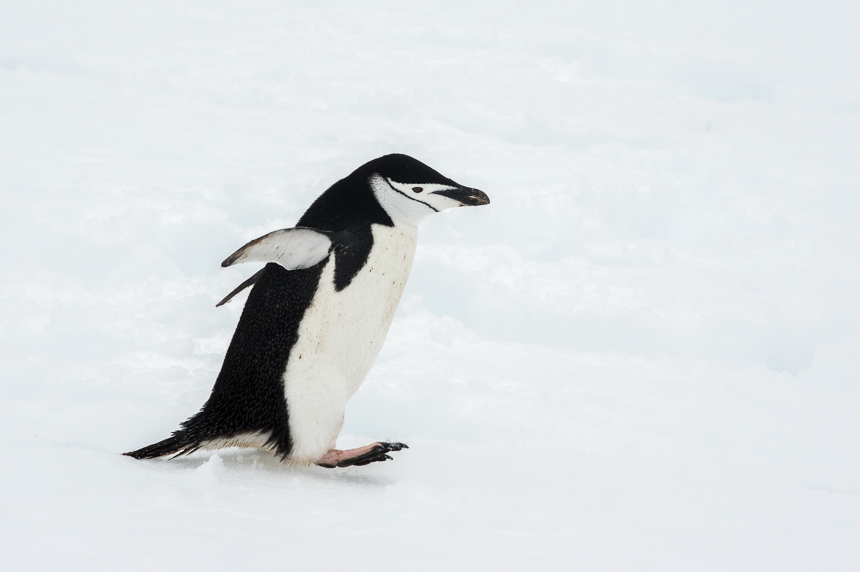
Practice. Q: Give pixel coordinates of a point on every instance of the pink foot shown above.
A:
(361, 456)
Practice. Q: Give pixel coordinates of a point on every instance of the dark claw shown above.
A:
(394, 446)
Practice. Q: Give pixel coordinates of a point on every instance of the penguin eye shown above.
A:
(417, 189)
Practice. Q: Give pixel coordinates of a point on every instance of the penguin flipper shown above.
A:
(293, 248)
(174, 445)
(249, 282)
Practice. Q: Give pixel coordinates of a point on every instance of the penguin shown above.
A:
(316, 317)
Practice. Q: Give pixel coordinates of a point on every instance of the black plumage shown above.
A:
(248, 395)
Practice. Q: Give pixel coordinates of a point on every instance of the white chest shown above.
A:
(339, 338)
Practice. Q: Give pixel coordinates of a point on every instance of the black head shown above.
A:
(392, 188)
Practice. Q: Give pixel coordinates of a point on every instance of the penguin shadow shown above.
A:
(249, 463)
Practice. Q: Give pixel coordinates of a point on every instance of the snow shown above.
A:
(643, 355)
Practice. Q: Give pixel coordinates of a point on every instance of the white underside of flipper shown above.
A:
(292, 248)
(339, 338)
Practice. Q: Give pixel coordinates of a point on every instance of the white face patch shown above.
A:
(410, 203)
(416, 191)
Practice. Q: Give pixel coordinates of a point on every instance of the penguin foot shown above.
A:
(361, 456)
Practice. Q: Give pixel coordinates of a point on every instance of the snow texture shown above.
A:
(643, 355)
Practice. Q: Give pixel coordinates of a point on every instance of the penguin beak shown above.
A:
(465, 196)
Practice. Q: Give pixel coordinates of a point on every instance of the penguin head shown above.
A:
(408, 190)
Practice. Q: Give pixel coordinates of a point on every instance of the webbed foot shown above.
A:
(374, 453)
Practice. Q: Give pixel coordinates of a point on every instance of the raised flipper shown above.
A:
(292, 248)
(249, 282)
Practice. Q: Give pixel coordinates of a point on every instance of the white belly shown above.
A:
(339, 338)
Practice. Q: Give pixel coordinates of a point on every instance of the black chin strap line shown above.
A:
(396, 190)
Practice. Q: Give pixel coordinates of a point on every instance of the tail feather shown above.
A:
(175, 445)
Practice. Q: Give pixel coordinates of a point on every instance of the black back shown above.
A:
(248, 395)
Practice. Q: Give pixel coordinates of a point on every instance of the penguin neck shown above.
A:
(344, 204)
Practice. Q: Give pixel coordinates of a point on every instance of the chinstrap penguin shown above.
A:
(317, 316)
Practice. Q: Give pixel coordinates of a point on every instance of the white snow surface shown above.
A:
(643, 355)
